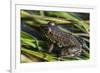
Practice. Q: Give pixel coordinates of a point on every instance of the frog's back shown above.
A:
(61, 38)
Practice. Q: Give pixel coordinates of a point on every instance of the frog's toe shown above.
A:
(60, 59)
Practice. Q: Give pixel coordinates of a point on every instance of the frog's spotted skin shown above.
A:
(68, 44)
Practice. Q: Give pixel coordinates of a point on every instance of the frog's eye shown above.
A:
(51, 23)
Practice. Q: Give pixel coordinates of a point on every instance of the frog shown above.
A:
(67, 43)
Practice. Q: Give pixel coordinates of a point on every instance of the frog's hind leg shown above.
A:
(71, 52)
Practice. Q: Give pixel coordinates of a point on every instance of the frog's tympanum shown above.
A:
(67, 43)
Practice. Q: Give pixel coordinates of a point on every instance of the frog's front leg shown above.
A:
(51, 46)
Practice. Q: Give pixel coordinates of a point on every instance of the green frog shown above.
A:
(67, 43)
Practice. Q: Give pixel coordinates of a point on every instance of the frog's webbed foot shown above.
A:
(60, 58)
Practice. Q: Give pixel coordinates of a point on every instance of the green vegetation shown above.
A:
(33, 48)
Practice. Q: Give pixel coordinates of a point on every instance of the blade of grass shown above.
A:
(69, 16)
(32, 16)
(41, 55)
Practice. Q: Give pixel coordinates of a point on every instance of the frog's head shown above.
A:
(47, 28)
